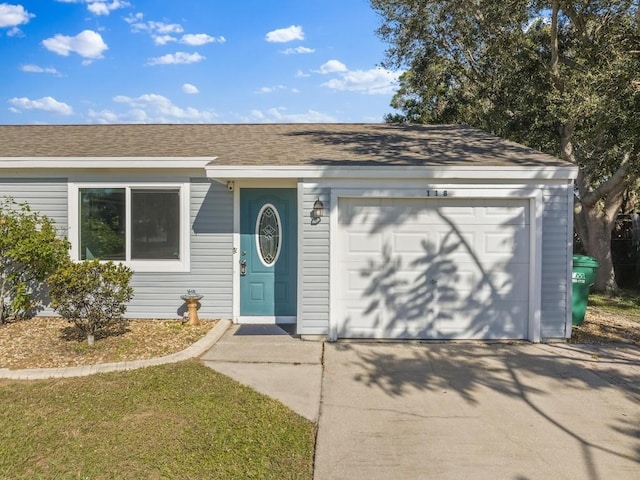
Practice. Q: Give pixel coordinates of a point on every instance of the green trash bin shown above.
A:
(583, 276)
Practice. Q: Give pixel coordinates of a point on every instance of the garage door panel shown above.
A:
(506, 320)
(417, 268)
(470, 285)
(363, 242)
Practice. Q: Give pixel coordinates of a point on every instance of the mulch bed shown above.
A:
(45, 342)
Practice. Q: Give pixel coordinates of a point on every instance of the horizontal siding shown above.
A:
(157, 295)
(47, 196)
(313, 318)
(556, 227)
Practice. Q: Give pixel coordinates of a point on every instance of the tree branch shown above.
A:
(613, 183)
(553, 67)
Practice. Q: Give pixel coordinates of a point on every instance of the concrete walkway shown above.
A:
(477, 411)
(273, 362)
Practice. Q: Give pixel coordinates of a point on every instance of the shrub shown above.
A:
(30, 251)
(91, 294)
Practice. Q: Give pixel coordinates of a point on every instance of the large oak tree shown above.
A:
(559, 76)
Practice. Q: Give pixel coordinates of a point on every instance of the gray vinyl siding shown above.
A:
(313, 307)
(45, 195)
(157, 295)
(556, 255)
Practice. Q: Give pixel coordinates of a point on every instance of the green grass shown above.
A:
(625, 302)
(182, 421)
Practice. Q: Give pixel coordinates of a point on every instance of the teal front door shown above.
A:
(268, 252)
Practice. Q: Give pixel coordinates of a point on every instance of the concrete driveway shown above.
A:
(475, 411)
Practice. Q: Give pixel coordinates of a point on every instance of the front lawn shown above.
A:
(182, 421)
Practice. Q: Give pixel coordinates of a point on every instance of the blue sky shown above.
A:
(191, 61)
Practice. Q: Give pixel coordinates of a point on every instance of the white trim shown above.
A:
(535, 266)
(181, 265)
(256, 235)
(227, 172)
(569, 321)
(535, 197)
(300, 245)
(334, 266)
(92, 163)
(236, 257)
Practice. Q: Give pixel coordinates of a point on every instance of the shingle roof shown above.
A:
(275, 144)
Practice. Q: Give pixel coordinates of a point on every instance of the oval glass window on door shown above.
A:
(268, 235)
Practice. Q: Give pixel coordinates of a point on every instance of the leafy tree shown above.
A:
(30, 251)
(91, 294)
(559, 76)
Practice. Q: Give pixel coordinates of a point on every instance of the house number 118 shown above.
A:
(437, 193)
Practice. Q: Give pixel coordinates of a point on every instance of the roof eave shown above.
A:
(93, 163)
(223, 173)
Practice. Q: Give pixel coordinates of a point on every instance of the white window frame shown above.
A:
(181, 265)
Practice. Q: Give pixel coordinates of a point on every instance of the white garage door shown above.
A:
(433, 268)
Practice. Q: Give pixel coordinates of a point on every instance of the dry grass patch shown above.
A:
(610, 319)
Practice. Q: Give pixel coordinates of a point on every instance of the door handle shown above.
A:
(243, 268)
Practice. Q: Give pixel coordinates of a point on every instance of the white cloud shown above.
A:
(190, 89)
(200, 39)
(333, 66)
(100, 7)
(270, 89)
(303, 50)
(37, 69)
(163, 33)
(157, 28)
(103, 7)
(301, 74)
(46, 104)
(282, 35)
(151, 108)
(13, 15)
(280, 115)
(374, 81)
(177, 58)
(87, 44)
(163, 39)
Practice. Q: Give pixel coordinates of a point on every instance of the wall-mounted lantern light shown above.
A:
(318, 210)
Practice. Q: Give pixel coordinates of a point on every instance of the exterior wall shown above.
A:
(314, 289)
(45, 195)
(157, 295)
(557, 250)
(313, 251)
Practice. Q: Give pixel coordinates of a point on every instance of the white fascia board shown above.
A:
(223, 173)
(61, 163)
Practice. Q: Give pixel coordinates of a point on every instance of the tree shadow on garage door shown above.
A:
(437, 284)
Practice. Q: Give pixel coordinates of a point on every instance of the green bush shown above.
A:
(91, 294)
(30, 250)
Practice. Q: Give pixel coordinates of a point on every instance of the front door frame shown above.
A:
(237, 187)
